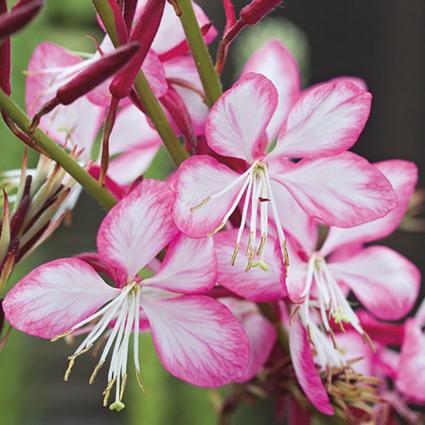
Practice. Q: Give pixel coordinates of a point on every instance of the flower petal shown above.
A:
(305, 369)
(198, 178)
(197, 339)
(56, 296)
(261, 334)
(411, 377)
(385, 282)
(188, 268)
(256, 285)
(326, 120)
(75, 124)
(236, 123)
(138, 227)
(403, 176)
(344, 190)
(275, 62)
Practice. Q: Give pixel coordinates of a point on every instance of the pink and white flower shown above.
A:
(197, 338)
(334, 186)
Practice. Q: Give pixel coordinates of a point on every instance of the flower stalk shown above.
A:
(209, 77)
(151, 104)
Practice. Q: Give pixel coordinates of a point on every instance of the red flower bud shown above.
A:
(88, 79)
(96, 73)
(144, 32)
(18, 18)
(256, 10)
(129, 12)
(229, 10)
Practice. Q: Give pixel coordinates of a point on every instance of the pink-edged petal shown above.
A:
(188, 268)
(256, 285)
(138, 227)
(182, 73)
(305, 369)
(131, 130)
(237, 122)
(261, 334)
(198, 178)
(344, 190)
(385, 282)
(352, 346)
(197, 339)
(326, 120)
(56, 296)
(275, 62)
(420, 314)
(357, 81)
(411, 377)
(130, 165)
(381, 332)
(403, 176)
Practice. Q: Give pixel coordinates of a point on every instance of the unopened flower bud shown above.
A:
(18, 18)
(256, 10)
(144, 33)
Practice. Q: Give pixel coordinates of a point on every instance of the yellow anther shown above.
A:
(107, 391)
(200, 205)
(216, 230)
(140, 381)
(251, 256)
(123, 386)
(72, 362)
(285, 254)
(262, 245)
(235, 254)
(57, 337)
(250, 237)
(96, 369)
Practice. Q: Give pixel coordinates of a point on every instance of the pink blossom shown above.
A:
(196, 337)
(334, 186)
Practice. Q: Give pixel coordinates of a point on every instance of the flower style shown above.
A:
(386, 283)
(196, 337)
(334, 186)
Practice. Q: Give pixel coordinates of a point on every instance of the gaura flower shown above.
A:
(196, 337)
(334, 186)
(385, 282)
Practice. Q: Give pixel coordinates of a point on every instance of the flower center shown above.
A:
(258, 193)
(329, 303)
(125, 311)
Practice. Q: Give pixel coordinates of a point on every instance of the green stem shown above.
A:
(209, 77)
(176, 150)
(69, 164)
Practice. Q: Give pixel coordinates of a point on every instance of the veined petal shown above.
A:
(411, 377)
(55, 296)
(385, 282)
(261, 334)
(138, 227)
(403, 176)
(275, 62)
(197, 339)
(305, 369)
(237, 122)
(326, 120)
(344, 190)
(196, 180)
(257, 284)
(188, 268)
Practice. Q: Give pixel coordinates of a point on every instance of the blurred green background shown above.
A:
(381, 42)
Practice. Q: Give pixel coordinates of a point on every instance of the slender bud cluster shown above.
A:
(32, 202)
